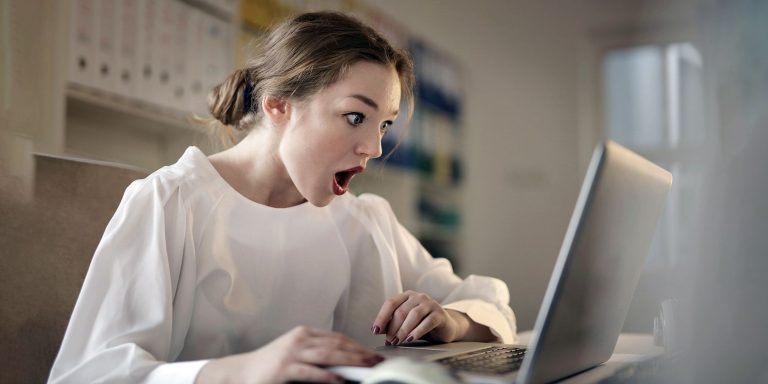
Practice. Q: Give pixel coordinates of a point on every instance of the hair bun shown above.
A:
(229, 101)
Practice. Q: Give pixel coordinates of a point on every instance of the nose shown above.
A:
(370, 145)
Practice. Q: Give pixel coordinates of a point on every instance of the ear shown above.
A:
(275, 109)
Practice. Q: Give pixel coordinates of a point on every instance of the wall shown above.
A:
(28, 122)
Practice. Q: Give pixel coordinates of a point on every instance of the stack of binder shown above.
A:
(167, 53)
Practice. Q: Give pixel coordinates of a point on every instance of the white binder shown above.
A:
(197, 64)
(146, 37)
(82, 39)
(180, 62)
(106, 45)
(128, 37)
(219, 47)
(162, 92)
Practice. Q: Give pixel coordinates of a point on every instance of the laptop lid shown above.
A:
(599, 265)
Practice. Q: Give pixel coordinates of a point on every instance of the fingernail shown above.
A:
(409, 339)
(375, 329)
(395, 341)
(386, 342)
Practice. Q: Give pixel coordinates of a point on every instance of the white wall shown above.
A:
(531, 117)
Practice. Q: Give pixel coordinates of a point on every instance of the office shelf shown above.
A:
(100, 105)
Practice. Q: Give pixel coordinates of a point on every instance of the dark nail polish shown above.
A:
(395, 341)
(386, 342)
(376, 329)
(409, 339)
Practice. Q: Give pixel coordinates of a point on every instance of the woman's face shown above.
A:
(330, 137)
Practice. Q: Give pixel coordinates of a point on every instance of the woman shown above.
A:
(254, 264)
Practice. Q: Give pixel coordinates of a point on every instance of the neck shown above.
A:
(254, 169)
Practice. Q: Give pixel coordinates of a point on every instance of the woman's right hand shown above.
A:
(295, 356)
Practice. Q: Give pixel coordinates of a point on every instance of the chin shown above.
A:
(321, 201)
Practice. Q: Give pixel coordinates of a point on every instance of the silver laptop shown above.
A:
(591, 287)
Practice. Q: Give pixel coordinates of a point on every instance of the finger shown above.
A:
(427, 324)
(386, 311)
(309, 373)
(329, 356)
(399, 317)
(339, 342)
(306, 337)
(414, 318)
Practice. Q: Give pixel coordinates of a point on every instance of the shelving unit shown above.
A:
(152, 72)
(137, 113)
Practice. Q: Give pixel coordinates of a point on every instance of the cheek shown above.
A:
(305, 155)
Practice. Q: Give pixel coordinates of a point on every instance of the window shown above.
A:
(653, 104)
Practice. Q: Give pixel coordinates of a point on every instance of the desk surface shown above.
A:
(630, 348)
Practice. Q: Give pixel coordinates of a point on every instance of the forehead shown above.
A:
(378, 82)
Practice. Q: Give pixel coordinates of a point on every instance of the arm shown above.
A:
(122, 326)
(297, 355)
(483, 301)
(468, 329)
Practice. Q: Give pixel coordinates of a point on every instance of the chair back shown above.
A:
(46, 245)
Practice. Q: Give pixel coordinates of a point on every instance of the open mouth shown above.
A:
(342, 179)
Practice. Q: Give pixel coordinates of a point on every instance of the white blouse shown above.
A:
(190, 270)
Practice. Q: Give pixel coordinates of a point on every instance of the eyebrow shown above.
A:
(369, 102)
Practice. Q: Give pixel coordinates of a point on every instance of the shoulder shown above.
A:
(366, 207)
(367, 202)
(186, 179)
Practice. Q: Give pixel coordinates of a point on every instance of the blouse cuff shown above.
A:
(176, 373)
(486, 314)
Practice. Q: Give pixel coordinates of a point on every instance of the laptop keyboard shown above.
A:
(493, 360)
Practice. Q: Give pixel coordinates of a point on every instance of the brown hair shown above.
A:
(300, 57)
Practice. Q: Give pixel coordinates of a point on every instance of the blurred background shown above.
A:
(512, 97)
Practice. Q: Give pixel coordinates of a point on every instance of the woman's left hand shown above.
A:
(412, 315)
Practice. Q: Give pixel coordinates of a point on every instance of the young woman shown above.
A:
(255, 264)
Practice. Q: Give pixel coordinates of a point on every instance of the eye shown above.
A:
(385, 127)
(354, 118)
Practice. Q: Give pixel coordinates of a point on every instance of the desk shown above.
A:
(630, 348)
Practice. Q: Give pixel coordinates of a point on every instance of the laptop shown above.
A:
(589, 293)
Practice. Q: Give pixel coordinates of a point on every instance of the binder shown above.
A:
(197, 65)
(228, 7)
(82, 39)
(179, 57)
(165, 21)
(106, 45)
(218, 47)
(128, 66)
(146, 37)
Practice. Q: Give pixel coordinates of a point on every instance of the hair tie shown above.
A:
(247, 96)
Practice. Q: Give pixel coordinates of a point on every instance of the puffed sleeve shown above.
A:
(484, 299)
(122, 326)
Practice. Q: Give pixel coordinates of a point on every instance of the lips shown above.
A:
(342, 179)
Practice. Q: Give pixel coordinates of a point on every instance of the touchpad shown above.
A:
(417, 350)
